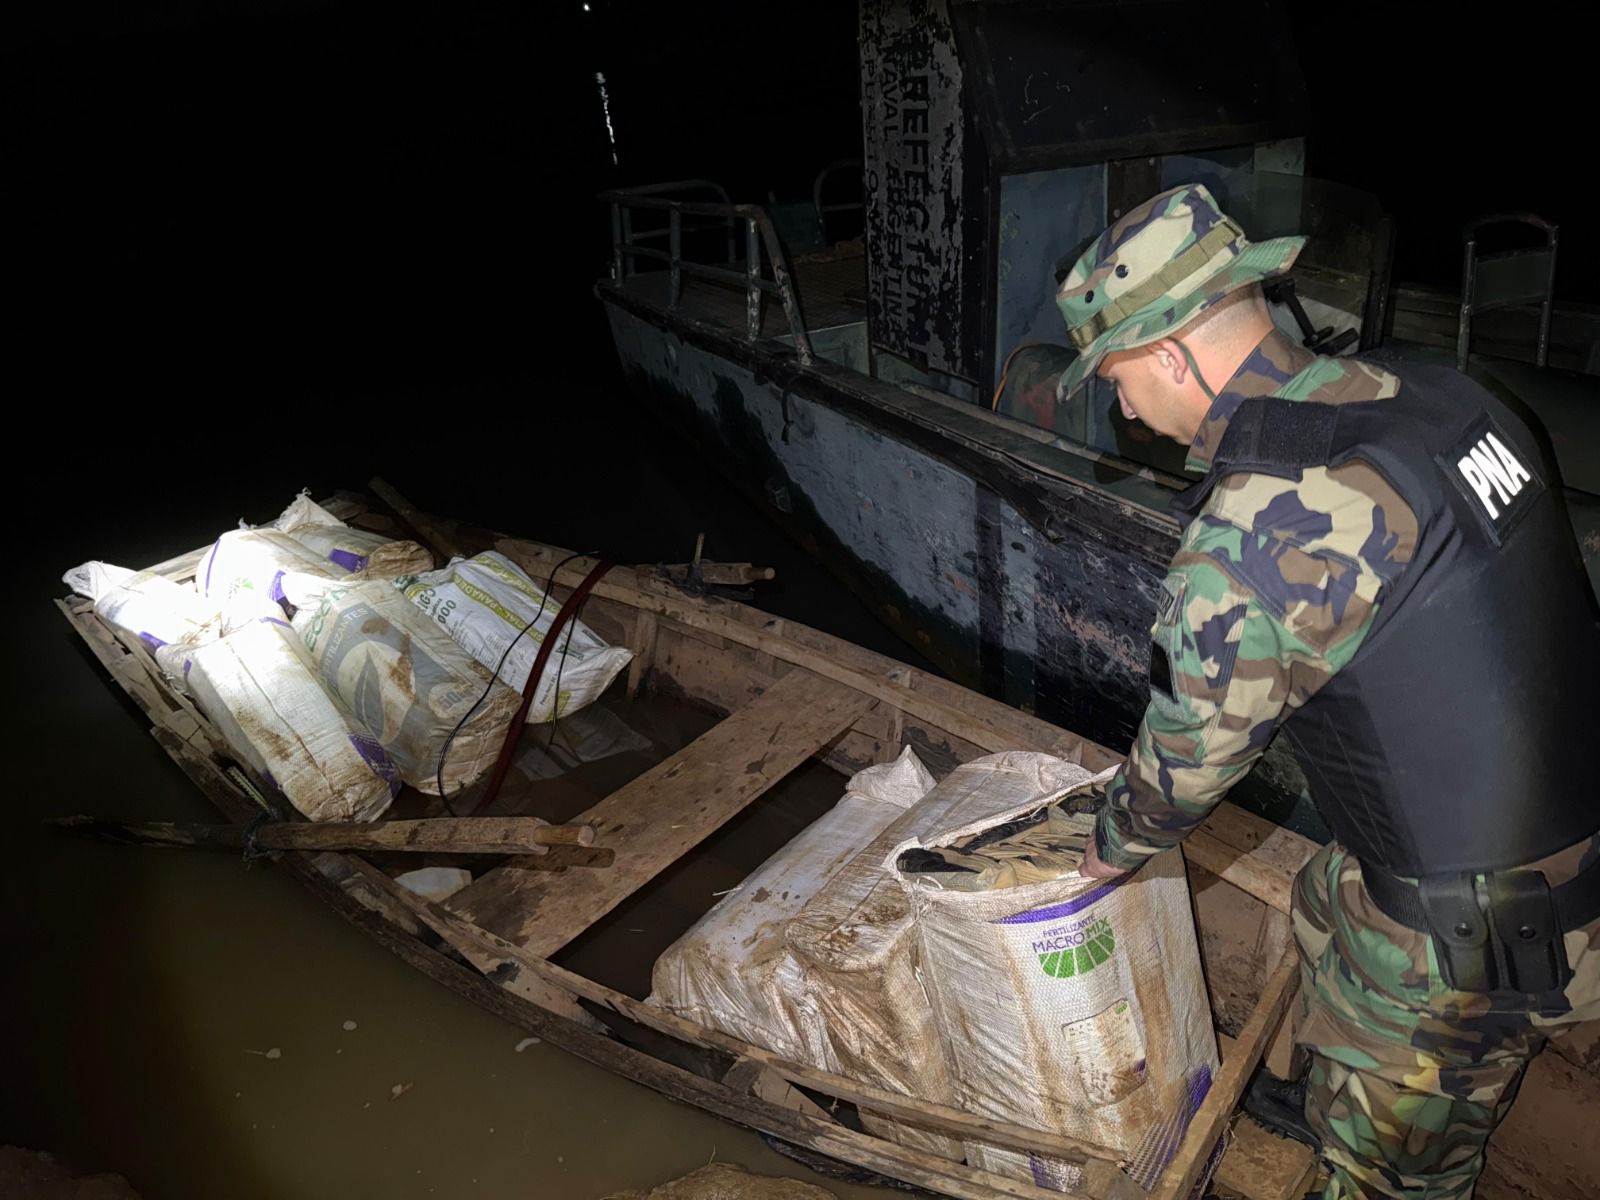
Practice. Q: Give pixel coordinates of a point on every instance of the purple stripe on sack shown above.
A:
(275, 621)
(1056, 911)
(275, 591)
(1160, 1143)
(187, 663)
(211, 561)
(151, 642)
(348, 559)
(376, 757)
(1041, 1176)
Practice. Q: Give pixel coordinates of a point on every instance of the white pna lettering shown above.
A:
(1493, 473)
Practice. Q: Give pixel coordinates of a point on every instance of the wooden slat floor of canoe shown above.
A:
(703, 786)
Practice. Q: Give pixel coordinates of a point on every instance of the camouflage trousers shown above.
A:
(1409, 1078)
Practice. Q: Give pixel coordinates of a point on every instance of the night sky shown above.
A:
(271, 240)
(222, 196)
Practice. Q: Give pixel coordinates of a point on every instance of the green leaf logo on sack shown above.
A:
(1075, 949)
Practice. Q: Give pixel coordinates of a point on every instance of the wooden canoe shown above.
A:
(786, 694)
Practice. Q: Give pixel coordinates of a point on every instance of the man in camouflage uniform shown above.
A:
(1278, 580)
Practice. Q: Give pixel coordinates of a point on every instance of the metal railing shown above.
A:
(662, 191)
(627, 247)
(818, 189)
(1503, 280)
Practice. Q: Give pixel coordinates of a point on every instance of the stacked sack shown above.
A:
(338, 665)
(486, 602)
(440, 715)
(307, 539)
(1064, 1003)
(957, 955)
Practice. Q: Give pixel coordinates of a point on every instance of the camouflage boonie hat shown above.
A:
(1156, 269)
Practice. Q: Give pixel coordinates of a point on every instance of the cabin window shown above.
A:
(1048, 217)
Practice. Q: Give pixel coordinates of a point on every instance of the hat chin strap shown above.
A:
(1195, 369)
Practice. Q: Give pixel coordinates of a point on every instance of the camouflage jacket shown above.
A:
(1272, 590)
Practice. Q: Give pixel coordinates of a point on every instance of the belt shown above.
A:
(1505, 933)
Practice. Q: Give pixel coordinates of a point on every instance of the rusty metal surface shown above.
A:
(915, 159)
(1060, 85)
(1033, 590)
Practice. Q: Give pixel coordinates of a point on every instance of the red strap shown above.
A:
(508, 748)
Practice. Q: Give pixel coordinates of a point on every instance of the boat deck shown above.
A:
(832, 291)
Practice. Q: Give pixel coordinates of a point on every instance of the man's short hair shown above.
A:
(1227, 315)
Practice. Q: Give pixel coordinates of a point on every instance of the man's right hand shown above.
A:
(1093, 868)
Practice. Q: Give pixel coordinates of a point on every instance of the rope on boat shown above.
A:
(252, 850)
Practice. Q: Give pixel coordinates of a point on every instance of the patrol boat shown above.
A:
(890, 400)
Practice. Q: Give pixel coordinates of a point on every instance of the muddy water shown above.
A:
(208, 1029)
(182, 1019)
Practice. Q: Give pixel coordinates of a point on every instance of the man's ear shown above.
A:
(1169, 360)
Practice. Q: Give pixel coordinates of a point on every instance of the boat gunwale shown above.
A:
(947, 435)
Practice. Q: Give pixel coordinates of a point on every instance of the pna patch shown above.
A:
(1495, 475)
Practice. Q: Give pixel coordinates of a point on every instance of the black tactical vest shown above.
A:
(1460, 736)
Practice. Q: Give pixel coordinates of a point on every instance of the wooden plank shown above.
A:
(758, 1079)
(725, 679)
(336, 869)
(1217, 1108)
(429, 531)
(894, 743)
(1251, 853)
(183, 717)
(1279, 1056)
(150, 694)
(1260, 1165)
(877, 724)
(444, 835)
(995, 728)
(482, 957)
(765, 662)
(643, 646)
(718, 574)
(461, 933)
(1284, 849)
(215, 783)
(131, 666)
(703, 785)
(114, 657)
(1263, 880)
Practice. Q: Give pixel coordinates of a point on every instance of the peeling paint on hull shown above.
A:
(1010, 580)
